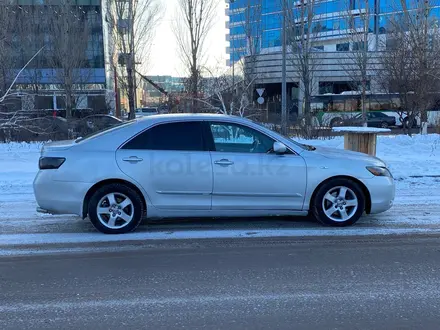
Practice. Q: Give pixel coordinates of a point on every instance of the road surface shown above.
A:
(314, 283)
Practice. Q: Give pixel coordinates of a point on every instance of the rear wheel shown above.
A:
(384, 124)
(336, 122)
(339, 202)
(115, 209)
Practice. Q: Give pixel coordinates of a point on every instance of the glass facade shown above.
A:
(329, 22)
(34, 27)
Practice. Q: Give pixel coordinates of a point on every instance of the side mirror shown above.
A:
(279, 148)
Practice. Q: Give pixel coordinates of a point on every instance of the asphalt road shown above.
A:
(374, 283)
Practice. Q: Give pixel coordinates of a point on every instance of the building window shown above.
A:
(359, 45)
(345, 47)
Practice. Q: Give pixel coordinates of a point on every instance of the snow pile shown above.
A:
(349, 129)
(406, 156)
(18, 167)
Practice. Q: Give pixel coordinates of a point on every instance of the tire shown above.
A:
(335, 121)
(384, 124)
(322, 206)
(120, 214)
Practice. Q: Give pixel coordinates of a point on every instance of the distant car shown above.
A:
(145, 112)
(374, 119)
(94, 123)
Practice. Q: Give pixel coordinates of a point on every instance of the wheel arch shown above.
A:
(357, 181)
(102, 183)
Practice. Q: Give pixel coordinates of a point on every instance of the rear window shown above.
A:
(181, 136)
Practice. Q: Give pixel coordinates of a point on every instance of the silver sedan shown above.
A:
(205, 166)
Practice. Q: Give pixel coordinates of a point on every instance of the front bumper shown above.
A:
(58, 197)
(382, 193)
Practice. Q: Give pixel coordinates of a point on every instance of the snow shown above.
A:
(357, 129)
(414, 162)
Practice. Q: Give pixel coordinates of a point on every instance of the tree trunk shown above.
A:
(307, 109)
(363, 101)
(194, 85)
(130, 92)
(424, 122)
(68, 104)
(68, 89)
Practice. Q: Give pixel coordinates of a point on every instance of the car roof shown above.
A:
(190, 116)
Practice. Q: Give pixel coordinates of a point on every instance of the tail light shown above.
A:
(50, 163)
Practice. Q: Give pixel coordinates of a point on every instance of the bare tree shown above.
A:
(358, 60)
(234, 94)
(301, 35)
(16, 119)
(194, 21)
(132, 24)
(7, 45)
(32, 33)
(228, 96)
(410, 66)
(69, 38)
(252, 27)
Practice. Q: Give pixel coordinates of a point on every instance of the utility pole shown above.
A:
(233, 77)
(284, 74)
(233, 71)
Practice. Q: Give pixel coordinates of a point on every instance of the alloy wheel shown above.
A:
(340, 204)
(115, 210)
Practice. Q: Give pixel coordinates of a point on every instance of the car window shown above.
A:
(230, 137)
(185, 136)
(149, 110)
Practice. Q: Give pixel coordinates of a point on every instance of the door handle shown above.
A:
(224, 162)
(132, 159)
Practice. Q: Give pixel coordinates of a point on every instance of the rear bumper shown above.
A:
(382, 192)
(58, 197)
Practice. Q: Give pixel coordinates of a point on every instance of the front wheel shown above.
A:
(115, 209)
(339, 202)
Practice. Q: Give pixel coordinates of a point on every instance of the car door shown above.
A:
(373, 119)
(247, 175)
(171, 163)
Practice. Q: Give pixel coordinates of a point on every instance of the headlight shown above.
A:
(379, 171)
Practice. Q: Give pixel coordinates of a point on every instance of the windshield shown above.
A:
(105, 130)
(149, 110)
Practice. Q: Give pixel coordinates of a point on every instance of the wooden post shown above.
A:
(365, 143)
(361, 139)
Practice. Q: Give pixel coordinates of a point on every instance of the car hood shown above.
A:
(347, 154)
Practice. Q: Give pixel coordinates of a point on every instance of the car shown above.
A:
(94, 123)
(374, 119)
(174, 166)
(144, 112)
